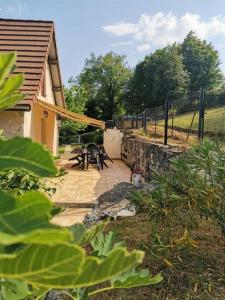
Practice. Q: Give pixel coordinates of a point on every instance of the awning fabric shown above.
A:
(71, 115)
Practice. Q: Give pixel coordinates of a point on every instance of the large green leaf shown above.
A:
(136, 279)
(65, 265)
(84, 236)
(10, 101)
(9, 86)
(26, 219)
(46, 260)
(103, 243)
(130, 279)
(38, 236)
(7, 62)
(15, 290)
(97, 270)
(23, 153)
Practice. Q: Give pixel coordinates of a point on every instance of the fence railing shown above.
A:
(196, 115)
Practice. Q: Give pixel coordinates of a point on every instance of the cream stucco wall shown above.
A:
(43, 127)
(50, 98)
(12, 123)
(53, 124)
(36, 124)
(27, 124)
(40, 127)
(112, 142)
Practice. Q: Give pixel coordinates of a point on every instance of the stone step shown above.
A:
(76, 205)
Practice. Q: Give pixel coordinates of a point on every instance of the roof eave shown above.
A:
(54, 67)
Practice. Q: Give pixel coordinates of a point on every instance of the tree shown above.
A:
(134, 97)
(202, 63)
(75, 98)
(156, 78)
(105, 79)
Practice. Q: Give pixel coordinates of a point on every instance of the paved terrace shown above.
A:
(79, 189)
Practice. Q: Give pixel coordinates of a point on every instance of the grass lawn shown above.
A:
(74, 146)
(214, 120)
(61, 149)
(199, 274)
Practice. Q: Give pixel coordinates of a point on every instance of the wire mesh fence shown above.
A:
(181, 117)
(214, 115)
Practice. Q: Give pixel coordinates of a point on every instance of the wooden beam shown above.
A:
(71, 115)
(53, 62)
(57, 89)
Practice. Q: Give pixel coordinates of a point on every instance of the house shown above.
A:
(36, 116)
(37, 59)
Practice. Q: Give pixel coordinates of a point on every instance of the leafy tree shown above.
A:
(134, 97)
(202, 63)
(75, 97)
(105, 78)
(156, 78)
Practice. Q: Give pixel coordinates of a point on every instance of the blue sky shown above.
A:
(131, 27)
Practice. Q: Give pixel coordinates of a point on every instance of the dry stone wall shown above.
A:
(148, 156)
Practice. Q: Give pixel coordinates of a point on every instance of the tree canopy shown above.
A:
(75, 98)
(159, 75)
(173, 70)
(105, 79)
(202, 63)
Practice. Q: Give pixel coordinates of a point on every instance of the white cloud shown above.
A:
(143, 47)
(160, 29)
(121, 28)
(123, 43)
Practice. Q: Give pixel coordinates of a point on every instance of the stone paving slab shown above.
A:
(85, 186)
(71, 216)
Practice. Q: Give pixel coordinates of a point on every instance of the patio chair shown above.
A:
(104, 156)
(80, 157)
(94, 156)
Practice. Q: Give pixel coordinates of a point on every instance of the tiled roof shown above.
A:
(34, 42)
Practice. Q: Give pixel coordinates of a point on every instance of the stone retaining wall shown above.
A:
(148, 156)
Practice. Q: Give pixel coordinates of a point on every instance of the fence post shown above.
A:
(203, 112)
(201, 115)
(145, 121)
(172, 121)
(166, 122)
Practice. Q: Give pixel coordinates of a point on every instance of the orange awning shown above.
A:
(71, 115)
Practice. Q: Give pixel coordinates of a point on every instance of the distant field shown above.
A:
(214, 121)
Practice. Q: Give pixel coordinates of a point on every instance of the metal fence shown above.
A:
(197, 115)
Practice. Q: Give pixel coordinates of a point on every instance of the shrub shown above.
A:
(193, 188)
(85, 138)
(21, 181)
(92, 137)
(186, 211)
(194, 185)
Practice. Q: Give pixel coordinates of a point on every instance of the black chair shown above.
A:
(80, 157)
(104, 156)
(94, 156)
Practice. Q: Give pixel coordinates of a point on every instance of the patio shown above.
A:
(78, 190)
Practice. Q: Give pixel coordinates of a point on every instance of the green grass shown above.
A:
(61, 149)
(214, 121)
(198, 275)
